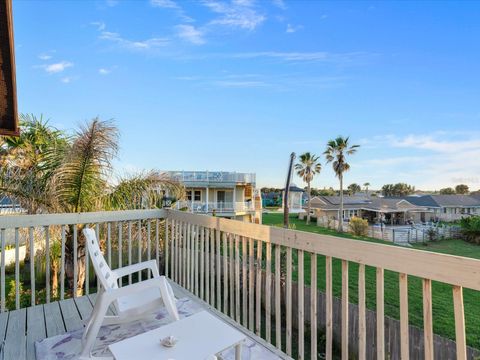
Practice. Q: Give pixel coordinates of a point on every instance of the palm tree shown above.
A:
(76, 178)
(336, 153)
(307, 168)
(366, 185)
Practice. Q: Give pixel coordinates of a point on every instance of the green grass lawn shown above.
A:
(444, 323)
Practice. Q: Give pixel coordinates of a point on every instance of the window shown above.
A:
(197, 195)
(189, 195)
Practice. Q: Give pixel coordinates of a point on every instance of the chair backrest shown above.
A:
(107, 278)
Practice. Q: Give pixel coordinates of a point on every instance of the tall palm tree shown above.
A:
(76, 178)
(337, 151)
(307, 168)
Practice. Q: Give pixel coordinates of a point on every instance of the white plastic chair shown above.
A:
(130, 302)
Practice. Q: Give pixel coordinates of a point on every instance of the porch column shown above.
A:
(234, 198)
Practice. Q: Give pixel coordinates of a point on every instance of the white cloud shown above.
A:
(104, 71)
(111, 3)
(291, 28)
(66, 79)
(240, 84)
(318, 56)
(139, 45)
(100, 25)
(239, 14)
(57, 67)
(169, 4)
(191, 34)
(44, 57)
(280, 4)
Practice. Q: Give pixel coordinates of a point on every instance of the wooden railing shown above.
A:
(229, 265)
(253, 273)
(126, 236)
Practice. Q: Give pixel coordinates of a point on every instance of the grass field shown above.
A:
(442, 294)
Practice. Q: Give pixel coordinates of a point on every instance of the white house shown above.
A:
(226, 194)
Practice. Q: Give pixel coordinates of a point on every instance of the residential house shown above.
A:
(447, 207)
(394, 211)
(226, 194)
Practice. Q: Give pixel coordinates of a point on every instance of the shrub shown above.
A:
(471, 229)
(432, 234)
(358, 226)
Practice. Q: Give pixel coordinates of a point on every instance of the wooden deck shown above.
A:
(21, 328)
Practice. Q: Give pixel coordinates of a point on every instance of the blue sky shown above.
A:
(238, 85)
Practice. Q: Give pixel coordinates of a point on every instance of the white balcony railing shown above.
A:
(212, 176)
(256, 274)
(219, 207)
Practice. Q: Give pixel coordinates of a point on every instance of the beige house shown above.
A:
(394, 211)
(226, 194)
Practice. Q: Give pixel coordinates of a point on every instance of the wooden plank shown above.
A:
(268, 292)
(15, 339)
(71, 317)
(380, 315)
(313, 306)
(3, 324)
(427, 318)
(231, 261)
(345, 330)
(218, 273)
(53, 319)
(84, 307)
(32, 265)
(225, 273)
(328, 308)
(202, 262)
(362, 327)
(301, 306)
(278, 298)
(258, 290)
(62, 264)
(129, 245)
(288, 302)
(167, 245)
(212, 266)
(17, 270)
(459, 323)
(196, 258)
(188, 244)
(35, 328)
(25, 221)
(93, 298)
(244, 282)
(251, 289)
(208, 250)
(47, 263)
(139, 240)
(237, 280)
(404, 331)
(462, 271)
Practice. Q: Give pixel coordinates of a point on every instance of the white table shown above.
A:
(199, 336)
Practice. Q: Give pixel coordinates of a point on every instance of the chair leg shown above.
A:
(91, 330)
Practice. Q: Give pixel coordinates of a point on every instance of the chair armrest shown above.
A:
(127, 270)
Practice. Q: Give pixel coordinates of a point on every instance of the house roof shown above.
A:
(8, 97)
(362, 203)
(294, 188)
(445, 200)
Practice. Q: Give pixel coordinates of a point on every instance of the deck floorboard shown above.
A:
(35, 329)
(15, 339)
(22, 328)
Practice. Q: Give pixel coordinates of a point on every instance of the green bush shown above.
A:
(358, 226)
(471, 229)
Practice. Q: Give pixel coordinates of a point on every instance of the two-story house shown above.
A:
(220, 193)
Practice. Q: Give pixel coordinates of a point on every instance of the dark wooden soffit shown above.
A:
(8, 92)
